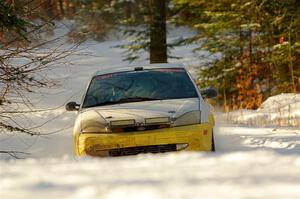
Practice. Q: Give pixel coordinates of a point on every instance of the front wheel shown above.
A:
(213, 149)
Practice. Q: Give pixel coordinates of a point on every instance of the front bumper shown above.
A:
(197, 137)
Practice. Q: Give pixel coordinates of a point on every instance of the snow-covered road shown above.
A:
(283, 140)
(249, 163)
(256, 174)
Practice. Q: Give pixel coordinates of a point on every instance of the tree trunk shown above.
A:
(48, 7)
(61, 7)
(290, 61)
(250, 46)
(241, 43)
(158, 32)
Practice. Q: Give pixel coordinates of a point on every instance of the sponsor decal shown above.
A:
(106, 76)
(169, 70)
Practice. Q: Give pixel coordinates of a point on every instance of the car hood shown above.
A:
(139, 111)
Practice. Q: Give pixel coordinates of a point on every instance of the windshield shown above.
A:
(133, 86)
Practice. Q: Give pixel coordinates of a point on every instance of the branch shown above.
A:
(17, 129)
(14, 154)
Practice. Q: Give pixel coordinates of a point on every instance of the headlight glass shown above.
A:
(93, 122)
(189, 118)
(95, 127)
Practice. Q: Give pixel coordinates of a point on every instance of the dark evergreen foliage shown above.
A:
(259, 45)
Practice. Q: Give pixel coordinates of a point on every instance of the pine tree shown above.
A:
(254, 63)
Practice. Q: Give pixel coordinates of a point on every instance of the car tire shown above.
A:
(213, 149)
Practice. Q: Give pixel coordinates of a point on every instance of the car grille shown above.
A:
(140, 128)
(142, 149)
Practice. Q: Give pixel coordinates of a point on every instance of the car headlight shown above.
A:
(189, 118)
(95, 127)
(92, 122)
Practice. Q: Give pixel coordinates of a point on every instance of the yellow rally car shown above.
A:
(147, 109)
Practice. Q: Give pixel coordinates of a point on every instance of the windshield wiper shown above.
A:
(126, 100)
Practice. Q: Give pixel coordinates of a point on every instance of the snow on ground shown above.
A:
(256, 174)
(279, 110)
(232, 138)
(250, 162)
(240, 169)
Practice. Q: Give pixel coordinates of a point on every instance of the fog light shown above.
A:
(158, 120)
(122, 123)
(180, 147)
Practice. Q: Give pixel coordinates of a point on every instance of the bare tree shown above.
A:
(25, 59)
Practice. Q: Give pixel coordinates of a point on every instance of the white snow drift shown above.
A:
(256, 174)
(279, 110)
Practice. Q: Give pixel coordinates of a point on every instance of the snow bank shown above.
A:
(279, 110)
(173, 175)
(232, 138)
(249, 163)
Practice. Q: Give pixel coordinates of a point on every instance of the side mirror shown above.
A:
(72, 106)
(209, 93)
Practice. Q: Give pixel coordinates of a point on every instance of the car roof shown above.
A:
(133, 67)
